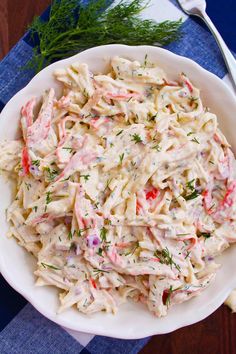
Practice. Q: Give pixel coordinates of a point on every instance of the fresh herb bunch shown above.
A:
(73, 26)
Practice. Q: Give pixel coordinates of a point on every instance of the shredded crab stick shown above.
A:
(80, 161)
(130, 196)
(27, 116)
(25, 161)
(122, 96)
(39, 130)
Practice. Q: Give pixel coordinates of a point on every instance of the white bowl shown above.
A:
(132, 320)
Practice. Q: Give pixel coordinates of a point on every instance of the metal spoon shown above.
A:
(198, 8)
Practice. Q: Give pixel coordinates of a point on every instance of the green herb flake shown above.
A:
(121, 157)
(48, 197)
(68, 148)
(103, 234)
(99, 252)
(45, 265)
(195, 140)
(80, 231)
(157, 147)
(28, 186)
(120, 132)
(35, 208)
(86, 177)
(166, 301)
(136, 138)
(145, 60)
(51, 174)
(70, 235)
(165, 257)
(36, 163)
(205, 235)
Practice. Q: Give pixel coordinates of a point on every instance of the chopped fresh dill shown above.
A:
(28, 186)
(45, 265)
(191, 192)
(99, 252)
(86, 177)
(165, 257)
(70, 235)
(205, 234)
(103, 234)
(152, 118)
(193, 195)
(195, 140)
(36, 163)
(80, 231)
(68, 148)
(51, 174)
(166, 301)
(187, 254)
(182, 234)
(190, 184)
(120, 132)
(157, 147)
(66, 179)
(121, 157)
(136, 138)
(145, 60)
(96, 271)
(108, 183)
(48, 200)
(48, 197)
(35, 208)
(190, 133)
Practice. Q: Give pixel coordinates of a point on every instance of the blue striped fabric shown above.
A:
(23, 329)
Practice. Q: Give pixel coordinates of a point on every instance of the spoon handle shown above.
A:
(227, 55)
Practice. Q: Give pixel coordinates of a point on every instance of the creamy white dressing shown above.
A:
(126, 188)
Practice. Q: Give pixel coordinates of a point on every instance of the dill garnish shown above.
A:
(137, 138)
(86, 177)
(51, 174)
(45, 265)
(165, 257)
(205, 234)
(28, 186)
(70, 235)
(157, 147)
(74, 26)
(103, 234)
(121, 157)
(120, 132)
(48, 200)
(48, 197)
(190, 192)
(80, 231)
(68, 148)
(166, 301)
(36, 163)
(195, 140)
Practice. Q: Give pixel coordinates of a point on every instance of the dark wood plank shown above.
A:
(4, 34)
(214, 335)
(20, 15)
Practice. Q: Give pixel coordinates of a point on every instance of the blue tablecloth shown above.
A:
(23, 329)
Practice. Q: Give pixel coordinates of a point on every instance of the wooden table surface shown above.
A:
(214, 335)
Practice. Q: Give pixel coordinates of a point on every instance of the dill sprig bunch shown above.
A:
(74, 26)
